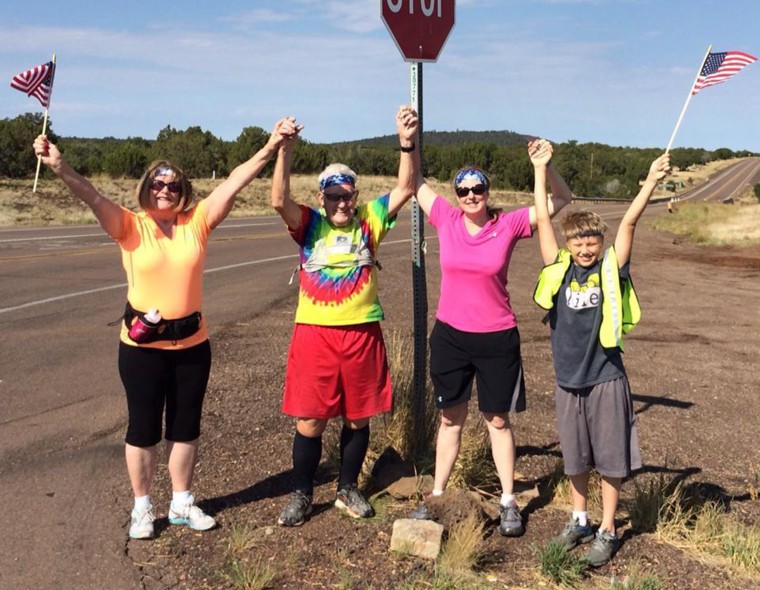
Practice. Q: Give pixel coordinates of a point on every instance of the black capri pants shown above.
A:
(154, 378)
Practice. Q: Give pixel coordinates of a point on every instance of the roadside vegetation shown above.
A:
(718, 224)
(671, 511)
(591, 169)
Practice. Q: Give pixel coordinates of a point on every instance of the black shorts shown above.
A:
(152, 378)
(493, 358)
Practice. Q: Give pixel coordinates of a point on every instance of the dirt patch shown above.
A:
(693, 369)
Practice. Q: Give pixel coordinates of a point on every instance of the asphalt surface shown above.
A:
(63, 481)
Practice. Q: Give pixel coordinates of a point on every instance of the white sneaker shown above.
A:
(142, 524)
(191, 515)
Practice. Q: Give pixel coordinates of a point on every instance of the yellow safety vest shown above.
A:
(620, 306)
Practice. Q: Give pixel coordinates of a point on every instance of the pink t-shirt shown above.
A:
(474, 296)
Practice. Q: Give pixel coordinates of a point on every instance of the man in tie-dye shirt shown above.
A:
(337, 364)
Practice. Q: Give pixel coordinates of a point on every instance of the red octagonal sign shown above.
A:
(419, 27)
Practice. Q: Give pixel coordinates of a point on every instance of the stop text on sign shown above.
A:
(427, 7)
(419, 28)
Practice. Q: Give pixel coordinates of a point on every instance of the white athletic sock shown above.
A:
(507, 499)
(581, 517)
(180, 498)
(142, 503)
(436, 493)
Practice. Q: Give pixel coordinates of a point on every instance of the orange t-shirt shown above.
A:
(165, 273)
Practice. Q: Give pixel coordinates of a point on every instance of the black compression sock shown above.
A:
(353, 450)
(307, 452)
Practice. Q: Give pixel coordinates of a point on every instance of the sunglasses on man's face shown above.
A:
(336, 198)
(463, 191)
(174, 186)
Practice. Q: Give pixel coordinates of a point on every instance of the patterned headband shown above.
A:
(163, 171)
(334, 179)
(471, 173)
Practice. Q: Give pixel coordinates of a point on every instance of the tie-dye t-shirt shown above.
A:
(340, 293)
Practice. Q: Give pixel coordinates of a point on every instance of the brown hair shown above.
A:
(582, 224)
(143, 187)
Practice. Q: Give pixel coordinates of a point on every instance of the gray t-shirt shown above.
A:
(579, 358)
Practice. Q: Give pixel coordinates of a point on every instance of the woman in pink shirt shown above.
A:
(475, 335)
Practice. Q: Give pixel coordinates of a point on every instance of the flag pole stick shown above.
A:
(44, 128)
(688, 98)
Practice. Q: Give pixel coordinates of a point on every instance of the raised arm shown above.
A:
(219, 203)
(540, 152)
(407, 125)
(282, 200)
(561, 194)
(658, 170)
(108, 213)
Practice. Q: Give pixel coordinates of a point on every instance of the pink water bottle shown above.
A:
(144, 327)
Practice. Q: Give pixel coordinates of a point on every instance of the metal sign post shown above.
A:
(420, 29)
(419, 281)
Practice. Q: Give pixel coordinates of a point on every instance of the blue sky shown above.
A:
(612, 71)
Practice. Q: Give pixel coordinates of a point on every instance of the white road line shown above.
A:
(100, 233)
(61, 237)
(741, 184)
(122, 285)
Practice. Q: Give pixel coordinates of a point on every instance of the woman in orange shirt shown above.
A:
(164, 361)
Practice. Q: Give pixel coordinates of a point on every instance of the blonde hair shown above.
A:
(582, 224)
(143, 186)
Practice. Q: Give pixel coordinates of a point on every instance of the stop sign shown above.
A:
(419, 27)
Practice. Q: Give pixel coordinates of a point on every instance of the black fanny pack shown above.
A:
(167, 329)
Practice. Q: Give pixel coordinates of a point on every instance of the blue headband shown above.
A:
(470, 173)
(334, 179)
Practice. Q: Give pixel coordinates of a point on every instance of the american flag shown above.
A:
(37, 82)
(719, 67)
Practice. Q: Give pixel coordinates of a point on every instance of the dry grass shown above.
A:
(246, 571)
(714, 223)
(563, 495)
(474, 467)
(53, 203)
(699, 173)
(559, 565)
(398, 429)
(648, 501)
(463, 549)
(253, 574)
(708, 532)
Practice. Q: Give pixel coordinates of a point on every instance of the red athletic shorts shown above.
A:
(337, 371)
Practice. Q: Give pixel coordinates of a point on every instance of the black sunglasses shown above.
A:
(174, 186)
(340, 197)
(463, 191)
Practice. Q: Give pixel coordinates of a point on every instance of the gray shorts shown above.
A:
(597, 429)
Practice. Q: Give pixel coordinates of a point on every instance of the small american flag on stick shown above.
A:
(37, 82)
(719, 67)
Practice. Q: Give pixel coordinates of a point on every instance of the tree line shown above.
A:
(591, 169)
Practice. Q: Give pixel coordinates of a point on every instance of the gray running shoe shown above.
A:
(574, 534)
(350, 499)
(602, 549)
(511, 524)
(422, 512)
(296, 510)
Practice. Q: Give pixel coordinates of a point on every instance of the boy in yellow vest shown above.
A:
(591, 304)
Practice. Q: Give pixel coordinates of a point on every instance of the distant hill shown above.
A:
(443, 138)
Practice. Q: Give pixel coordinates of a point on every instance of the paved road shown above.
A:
(62, 478)
(62, 416)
